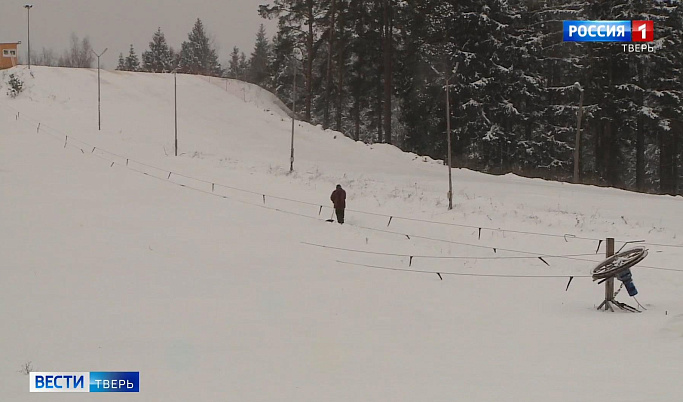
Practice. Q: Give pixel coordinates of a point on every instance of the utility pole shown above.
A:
(291, 155)
(99, 114)
(28, 8)
(577, 145)
(294, 60)
(175, 103)
(448, 135)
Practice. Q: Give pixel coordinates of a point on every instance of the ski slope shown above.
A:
(198, 270)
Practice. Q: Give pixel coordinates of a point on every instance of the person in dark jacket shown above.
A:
(338, 198)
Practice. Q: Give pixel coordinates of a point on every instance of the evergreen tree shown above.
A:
(175, 59)
(234, 64)
(666, 96)
(360, 84)
(259, 62)
(299, 19)
(554, 74)
(282, 67)
(132, 61)
(197, 55)
(158, 58)
(122, 63)
(380, 68)
(243, 66)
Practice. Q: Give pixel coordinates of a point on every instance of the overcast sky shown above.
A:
(115, 24)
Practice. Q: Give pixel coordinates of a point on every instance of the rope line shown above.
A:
(535, 255)
(445, 256)
(461, 273)
(495, 249)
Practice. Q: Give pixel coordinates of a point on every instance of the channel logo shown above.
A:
(643, 31)
(608, 31)
(89, 381)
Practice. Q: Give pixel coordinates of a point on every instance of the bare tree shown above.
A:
(46, 57)
(79, 55)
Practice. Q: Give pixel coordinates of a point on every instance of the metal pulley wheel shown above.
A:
(619, 262)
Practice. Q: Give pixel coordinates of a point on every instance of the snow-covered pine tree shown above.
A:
(515, 96)
(476, 35)
(371, 65)
(282, 67)
(158, 58)
(259, 62)
(559, 71)
(234, 64)
(359, 69)
(666, 94)
(344, 32)
(175, 58)
(243, 65)
(330, 34)
(122, 63)
(197, 55)
(132, 61)
(299, 19)
(422, 64)
(528, 146)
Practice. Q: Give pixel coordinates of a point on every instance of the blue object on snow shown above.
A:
(627, 279)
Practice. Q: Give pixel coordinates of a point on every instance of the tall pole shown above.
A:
(175, 94)
(294, 60)
(291, 155)
(577, 145)
(28, 28)
(609, 284)
(99, 103)
(99, 108)
(448, 135)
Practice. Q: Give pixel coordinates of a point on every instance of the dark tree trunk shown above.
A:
(609, 144)
(677, 128)
(640, 136)
(328, 83)
(388, 69)
(668, 168)
(340, 79)
(380, 137)
(309, 61)
(609, 155)
(356, 129)
(357, 87)
(640, 154)
(599, 139)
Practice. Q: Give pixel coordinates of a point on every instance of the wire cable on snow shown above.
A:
(391, 217)
(445, 256)
(167, 180)
(461, 273)
(495, 249)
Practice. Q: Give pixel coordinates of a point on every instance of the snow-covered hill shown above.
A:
(117, 256)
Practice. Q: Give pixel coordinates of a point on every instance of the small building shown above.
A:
(8, 54)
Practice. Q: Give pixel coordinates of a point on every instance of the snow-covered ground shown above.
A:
(213, 295)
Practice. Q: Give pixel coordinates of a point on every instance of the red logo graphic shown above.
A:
(642, 31)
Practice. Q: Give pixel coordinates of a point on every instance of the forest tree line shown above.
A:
(377, 70)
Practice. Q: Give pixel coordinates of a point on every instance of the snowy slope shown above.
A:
(105, 267)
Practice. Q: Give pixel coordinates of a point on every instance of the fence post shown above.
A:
(609, 283)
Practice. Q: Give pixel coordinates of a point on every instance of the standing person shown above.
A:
(338, 198)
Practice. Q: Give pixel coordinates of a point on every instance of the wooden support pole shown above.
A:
(609, 283)
(577, 143)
